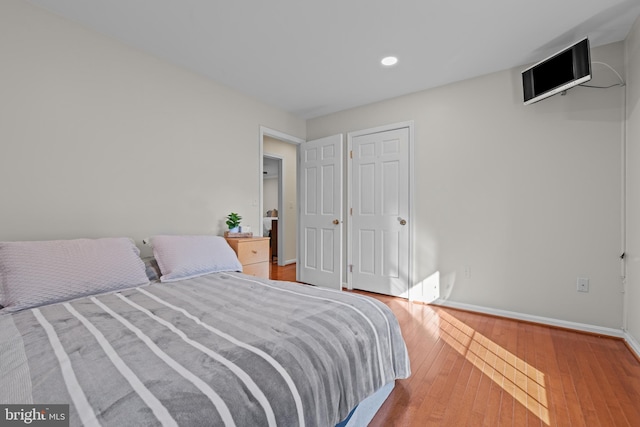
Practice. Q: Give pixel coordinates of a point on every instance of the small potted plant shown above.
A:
(233, 222)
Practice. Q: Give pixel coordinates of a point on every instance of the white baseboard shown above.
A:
(599, 330)
(290, 261)
(633, 344)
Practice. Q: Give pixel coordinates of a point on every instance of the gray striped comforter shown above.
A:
(222, 349)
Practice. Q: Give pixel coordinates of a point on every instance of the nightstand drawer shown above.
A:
(260, 269)
(253, 254)
(253, 251)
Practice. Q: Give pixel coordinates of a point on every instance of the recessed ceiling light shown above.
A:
(389, 61)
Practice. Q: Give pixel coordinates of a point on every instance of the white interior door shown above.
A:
(380, 215)
(320, 178)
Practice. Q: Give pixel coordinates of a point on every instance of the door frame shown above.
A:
(281, 136)
(349, 231)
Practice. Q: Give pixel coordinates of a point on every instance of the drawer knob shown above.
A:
(254, 251)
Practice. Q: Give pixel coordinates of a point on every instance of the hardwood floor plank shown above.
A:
(623, 369)
(537, 414)
(463, 417)
(520, 411)
(580, 370)
(470, 369)
(433, 410)
(608, 407)
(478, 408)
(565, 345)
(504, 336)
(546, 361)
(454, 401)
(495, 398)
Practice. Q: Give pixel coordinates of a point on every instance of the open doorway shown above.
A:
(279, 194)
(272, 200)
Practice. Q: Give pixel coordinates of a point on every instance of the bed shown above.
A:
(198, 343)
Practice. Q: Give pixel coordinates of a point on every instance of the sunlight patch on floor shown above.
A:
(522, 381)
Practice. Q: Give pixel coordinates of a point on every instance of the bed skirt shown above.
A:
(364, 412)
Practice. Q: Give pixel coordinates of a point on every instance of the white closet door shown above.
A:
(380, 197)
(321, 181)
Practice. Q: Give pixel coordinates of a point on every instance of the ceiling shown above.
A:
(312, 58)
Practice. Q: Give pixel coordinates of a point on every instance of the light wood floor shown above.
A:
(287, 272)
(471, 370)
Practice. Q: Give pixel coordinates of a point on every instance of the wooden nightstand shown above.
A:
(253, 253)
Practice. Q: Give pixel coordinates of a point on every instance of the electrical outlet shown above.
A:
(467, 271)
(583, 284)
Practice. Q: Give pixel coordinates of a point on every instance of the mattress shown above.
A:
(221, 349)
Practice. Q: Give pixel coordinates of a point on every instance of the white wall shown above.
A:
(632, 50)
(527, 197)
(100, 139)
(288, 152)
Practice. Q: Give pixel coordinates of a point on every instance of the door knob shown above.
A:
(402, 221)
(336, 222)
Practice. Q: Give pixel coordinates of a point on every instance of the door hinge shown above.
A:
(351, 154)
(350, 268)
(351, 211)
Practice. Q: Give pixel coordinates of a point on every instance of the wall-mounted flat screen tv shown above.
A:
(564, 70)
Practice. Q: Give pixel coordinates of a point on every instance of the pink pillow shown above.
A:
(184, 257)
(38, 273)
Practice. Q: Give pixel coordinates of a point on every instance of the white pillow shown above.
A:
(184, 257)
(38, 273)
